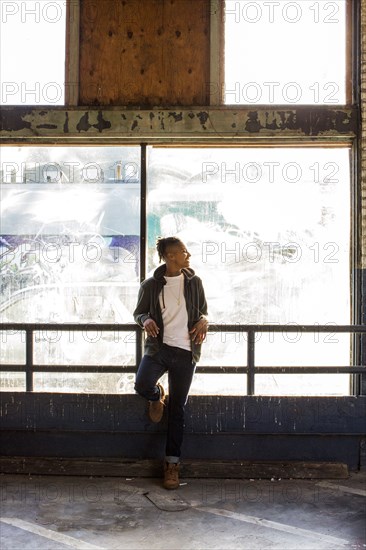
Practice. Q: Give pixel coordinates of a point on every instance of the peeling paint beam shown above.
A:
(188, 125)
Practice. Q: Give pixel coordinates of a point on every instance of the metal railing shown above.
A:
(29, 367)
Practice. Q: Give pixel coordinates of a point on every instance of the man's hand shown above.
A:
(199, 331)
(151, 328)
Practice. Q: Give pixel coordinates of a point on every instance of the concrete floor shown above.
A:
(60, 512)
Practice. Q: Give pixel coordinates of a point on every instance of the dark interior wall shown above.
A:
(363, 321)
(144, 52)
(217, 427)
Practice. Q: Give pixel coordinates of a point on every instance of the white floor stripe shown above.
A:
(49, 534)
(274, 525)
(342, 488)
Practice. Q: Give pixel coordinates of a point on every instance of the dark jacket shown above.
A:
(148, 306)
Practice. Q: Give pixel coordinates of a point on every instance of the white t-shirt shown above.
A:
(174, 312)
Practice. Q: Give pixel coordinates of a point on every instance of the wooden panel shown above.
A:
(149, 52)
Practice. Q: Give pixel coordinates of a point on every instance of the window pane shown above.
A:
(12, 381)
(12, 349)
(285, 349)
(83, 382)
(69, 244)
(84, 348)
(219, 384)
(32, 58)
(285, 52)
(269, 234)
(224, 348)
(281, 349)
(302, 384)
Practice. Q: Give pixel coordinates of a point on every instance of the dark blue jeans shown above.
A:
(180, 367)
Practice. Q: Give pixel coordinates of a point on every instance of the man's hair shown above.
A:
(162, 244)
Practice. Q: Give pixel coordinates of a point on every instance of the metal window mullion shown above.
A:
(139, 347)
(143, 213)
(143, 239)
(29, 360)
(250, 362)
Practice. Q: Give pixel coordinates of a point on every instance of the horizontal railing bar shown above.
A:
(132, 327)
(128, 327)
(288, 328)
(221, 370)
(14, 368)
(110, 368)
(31, 329)
(83, 369)
(357, 369)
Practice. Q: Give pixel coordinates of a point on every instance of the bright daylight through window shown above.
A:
(280, 52)
(269, 234)
(32, 52)
(70, 235)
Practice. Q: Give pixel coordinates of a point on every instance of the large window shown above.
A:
(70, 234)
(32, 52)
(269, 233)
(282, 52)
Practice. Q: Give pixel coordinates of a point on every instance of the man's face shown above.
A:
(179, 255)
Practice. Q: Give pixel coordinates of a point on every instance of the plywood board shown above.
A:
(149, 52)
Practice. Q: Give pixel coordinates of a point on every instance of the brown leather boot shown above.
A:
(171, 475)
(156, 408)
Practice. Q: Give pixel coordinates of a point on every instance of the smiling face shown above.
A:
(177, 257)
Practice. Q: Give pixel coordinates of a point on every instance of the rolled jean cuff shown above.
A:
(172, 459)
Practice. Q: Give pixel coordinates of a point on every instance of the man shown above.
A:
(172, 309)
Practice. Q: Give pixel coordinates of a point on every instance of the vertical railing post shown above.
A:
(250, 362)
(29, 359)
(139, 346)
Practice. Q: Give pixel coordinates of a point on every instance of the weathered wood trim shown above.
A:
(218, 469)
(216, 52)
(351, 52)
(360, 86)
(363, 134)
(214, 125)
(72, 52)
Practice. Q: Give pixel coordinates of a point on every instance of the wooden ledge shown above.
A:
(215, 469)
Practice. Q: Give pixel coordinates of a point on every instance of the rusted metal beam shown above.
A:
(217, 124)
